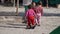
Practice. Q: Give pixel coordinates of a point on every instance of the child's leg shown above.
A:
(38, 18)
(33, 22)
(38, 21)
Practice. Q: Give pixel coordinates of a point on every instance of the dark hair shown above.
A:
(33, 2)
(39, 3)
(30, 6)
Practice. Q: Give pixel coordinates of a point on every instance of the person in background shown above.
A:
(30, 16)
(25, 4)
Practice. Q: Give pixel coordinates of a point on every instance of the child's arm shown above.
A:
(35, 14)
(41, 11)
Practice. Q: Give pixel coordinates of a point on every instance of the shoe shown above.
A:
(32, 27)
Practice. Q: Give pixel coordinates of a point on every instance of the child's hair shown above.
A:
(33, 3)
(30, 6)
(39, 3)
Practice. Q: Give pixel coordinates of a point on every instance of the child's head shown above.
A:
(34, 3)
(30, 6)
(39, 3)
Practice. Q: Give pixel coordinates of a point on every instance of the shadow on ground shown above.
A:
(51, 14)
(11, 13)
(14, 26)
(2, 13)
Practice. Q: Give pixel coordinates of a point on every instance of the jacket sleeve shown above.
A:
(35, 14)
(41, 11)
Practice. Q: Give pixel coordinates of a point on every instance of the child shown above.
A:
(39, 12)
(34, 8)
(30, 15)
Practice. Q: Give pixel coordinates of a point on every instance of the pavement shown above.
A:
(11, 24)
(10, 9)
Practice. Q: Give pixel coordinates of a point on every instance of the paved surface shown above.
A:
(14, 25)
(10, 9)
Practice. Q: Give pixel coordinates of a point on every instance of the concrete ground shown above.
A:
(13, 24)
